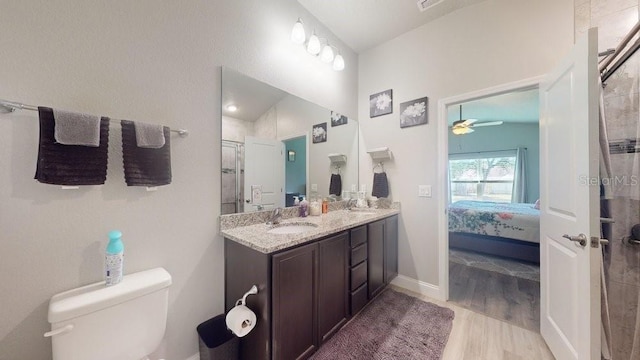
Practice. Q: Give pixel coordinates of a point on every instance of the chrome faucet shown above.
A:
(275, 217)
(351, 203)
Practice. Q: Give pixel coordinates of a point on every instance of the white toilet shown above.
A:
(122, 322)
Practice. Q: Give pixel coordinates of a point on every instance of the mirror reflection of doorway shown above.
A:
(295, 168)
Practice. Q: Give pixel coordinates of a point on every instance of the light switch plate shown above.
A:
(314, 187)
(424, 190)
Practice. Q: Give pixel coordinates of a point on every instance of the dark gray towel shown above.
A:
(73, 165)
(145, 166)
(380, 185)
(335, 185)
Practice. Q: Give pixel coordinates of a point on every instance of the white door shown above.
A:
(569, 271)
(263, 174)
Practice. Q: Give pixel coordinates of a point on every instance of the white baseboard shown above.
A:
(195, 356)
(417, 286)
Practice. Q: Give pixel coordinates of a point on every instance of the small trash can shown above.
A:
(216, 341)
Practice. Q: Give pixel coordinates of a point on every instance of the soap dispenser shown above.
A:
(303, 209)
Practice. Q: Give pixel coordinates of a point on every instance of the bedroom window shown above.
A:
(482, 176)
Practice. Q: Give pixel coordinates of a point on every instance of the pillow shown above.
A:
(537, 204)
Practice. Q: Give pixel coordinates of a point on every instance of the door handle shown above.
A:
(580, 239)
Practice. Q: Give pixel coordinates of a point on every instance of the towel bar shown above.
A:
(7, 107)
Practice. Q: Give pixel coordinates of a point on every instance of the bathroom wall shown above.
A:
(154, 61)
(235, 129)
(505, 137)
(614, 19)
(487, 44)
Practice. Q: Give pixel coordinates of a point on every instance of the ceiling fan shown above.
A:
(461, 127)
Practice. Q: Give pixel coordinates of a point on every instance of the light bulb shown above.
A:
(338, 63)
(313, 47)
(297, 33)
(232, 108)
(327, 54)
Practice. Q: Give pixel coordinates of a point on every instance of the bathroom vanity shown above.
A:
(310, 281)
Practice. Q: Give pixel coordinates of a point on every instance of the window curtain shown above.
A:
(519, 194)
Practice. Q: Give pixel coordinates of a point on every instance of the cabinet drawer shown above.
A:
(358, 236)
(358, 299)
(358, 275)
(358, 254)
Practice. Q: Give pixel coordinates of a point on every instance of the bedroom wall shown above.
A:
(477, 47)
(154, 61)
(614, 19)
(296, 180)
(505, 137)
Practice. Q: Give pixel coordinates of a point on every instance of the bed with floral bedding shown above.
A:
(504, 229)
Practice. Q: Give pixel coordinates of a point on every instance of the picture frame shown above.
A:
(291, 155)
(414, 112)
(319, 133)
(381, 103)
(338, 119)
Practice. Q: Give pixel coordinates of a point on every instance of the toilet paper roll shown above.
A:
(241, 320)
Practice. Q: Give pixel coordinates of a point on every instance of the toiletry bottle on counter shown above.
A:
(296, 201)
(315, 207)
(304, 208)
(325, 206)
(114, 258)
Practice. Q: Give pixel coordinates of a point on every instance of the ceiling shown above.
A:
(514, 107)
(363, 24)
(253, 98)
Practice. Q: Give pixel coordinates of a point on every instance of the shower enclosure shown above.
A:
(621, 98)
(232, 177)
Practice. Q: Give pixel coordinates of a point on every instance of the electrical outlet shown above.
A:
(424, 190)
(314, 187)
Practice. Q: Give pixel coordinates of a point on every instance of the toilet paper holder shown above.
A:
(252, 291)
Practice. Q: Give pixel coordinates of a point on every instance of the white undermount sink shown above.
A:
(292, 228)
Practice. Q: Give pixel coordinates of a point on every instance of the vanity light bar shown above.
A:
(315, 48)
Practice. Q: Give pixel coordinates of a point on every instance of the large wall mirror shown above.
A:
(277, 146)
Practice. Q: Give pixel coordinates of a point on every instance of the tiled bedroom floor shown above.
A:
(500, 288)
(495, 263)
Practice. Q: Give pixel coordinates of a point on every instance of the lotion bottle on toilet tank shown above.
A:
(114, 258)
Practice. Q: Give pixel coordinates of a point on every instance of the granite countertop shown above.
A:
(257, 237)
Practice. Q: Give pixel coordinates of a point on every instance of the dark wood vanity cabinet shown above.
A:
(333, 300)
(307, 293)
(390, 248)
(358, 296)
(295, 294)
(375, 232)
(383, 253)
(310, 300)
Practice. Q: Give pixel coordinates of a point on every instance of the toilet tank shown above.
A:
(126, 321)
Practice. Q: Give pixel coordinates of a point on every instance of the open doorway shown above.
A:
(491, 171)
(295, 168)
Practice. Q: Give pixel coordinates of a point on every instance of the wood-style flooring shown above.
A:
(475, 336)
(504, 297)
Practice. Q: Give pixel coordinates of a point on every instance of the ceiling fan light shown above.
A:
(297, 33)
(458, 131)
